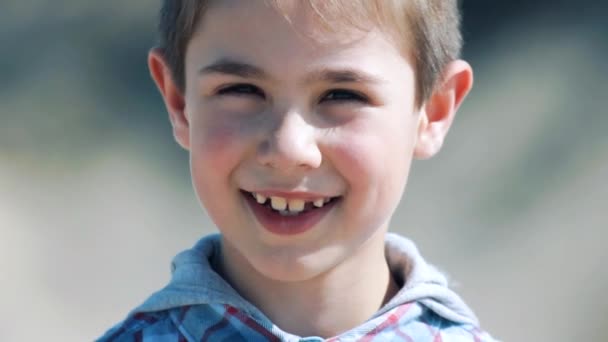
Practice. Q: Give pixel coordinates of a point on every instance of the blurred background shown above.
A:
(95, 196)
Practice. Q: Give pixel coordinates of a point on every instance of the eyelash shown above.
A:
(334, 95)
(344, 95)
(241, 89)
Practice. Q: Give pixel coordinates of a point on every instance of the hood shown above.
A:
(423, 283)
(195, 282)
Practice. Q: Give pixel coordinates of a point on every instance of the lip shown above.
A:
(287, 225)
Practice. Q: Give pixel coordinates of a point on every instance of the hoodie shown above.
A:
(199, 305)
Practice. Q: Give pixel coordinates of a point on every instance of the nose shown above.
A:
(290, 144)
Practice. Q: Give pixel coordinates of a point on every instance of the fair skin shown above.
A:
(271, 108)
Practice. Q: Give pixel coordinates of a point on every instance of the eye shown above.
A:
(241, 89)
(344, 95)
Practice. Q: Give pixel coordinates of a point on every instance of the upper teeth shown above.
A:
(260, 198)
(295, 205)
(278, 203)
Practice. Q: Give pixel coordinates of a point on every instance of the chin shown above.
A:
(291, 268)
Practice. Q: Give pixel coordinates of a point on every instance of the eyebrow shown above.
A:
(341, 76)
(232, 67)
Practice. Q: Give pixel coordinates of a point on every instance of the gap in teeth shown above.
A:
(285, 206)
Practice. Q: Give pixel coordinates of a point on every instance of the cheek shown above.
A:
(219, 143)
(221, 131)
(362, 162)
(370, 150)
(374, 160)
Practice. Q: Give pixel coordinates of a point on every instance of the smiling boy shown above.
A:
(301, 119)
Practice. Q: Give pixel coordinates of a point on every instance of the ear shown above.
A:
(172, 95)
(438, 111)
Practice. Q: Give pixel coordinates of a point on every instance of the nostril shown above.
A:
(289, 155)
(291, 144)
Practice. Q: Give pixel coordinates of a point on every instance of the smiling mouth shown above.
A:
(290, 206)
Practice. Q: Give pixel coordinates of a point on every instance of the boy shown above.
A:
(301, 119)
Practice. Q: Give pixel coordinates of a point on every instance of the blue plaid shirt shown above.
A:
(198, 305)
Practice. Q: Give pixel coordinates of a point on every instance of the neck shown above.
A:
(331, 303)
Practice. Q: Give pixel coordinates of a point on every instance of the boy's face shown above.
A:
(284, 109)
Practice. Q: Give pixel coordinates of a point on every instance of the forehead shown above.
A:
(312, 23)
(285, 30)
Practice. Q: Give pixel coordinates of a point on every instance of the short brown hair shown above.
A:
(433, 25)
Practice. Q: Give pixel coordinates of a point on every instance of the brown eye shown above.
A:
(241, 89)
(343, 95)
